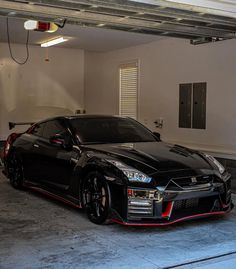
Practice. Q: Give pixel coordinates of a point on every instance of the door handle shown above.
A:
(36, 145)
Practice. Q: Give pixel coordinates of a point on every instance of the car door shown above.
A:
(32, 165)
(55, 160)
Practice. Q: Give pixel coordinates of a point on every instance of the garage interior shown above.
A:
(173, 44)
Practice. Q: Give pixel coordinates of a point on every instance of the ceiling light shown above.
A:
(12, 13)
(53, 42)
(101, 24)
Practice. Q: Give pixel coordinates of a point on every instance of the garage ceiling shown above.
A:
(88, 38)
(156, 17)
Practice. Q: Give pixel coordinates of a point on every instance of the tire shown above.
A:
(16, 174)
(96, 198)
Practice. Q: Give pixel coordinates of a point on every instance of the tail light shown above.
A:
(11, 138)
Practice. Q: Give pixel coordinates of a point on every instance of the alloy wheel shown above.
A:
(96, 198)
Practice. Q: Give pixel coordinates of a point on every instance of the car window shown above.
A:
(53, 127)
(110, 130)
(37, 129)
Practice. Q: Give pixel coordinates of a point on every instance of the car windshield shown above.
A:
(110, 130)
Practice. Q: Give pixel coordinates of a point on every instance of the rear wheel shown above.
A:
(96, 198)
(16, 174)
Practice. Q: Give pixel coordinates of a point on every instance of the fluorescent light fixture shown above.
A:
(124, 18)
(140, 13)
(53, 42)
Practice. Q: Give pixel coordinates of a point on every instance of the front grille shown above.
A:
(189, 182)
(184, 182)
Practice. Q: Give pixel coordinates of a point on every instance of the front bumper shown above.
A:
(130, 223)
(167, 206)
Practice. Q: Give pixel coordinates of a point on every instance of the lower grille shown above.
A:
(183, 208)
(186, 204)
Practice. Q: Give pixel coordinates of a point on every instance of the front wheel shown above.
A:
(16, 174)
(96, 198)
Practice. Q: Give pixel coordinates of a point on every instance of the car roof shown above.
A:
(80, 116)
(92, 116)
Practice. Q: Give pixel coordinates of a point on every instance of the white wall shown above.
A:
(163, 66)
(39, 89)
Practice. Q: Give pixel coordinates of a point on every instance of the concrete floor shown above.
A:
(36, 232)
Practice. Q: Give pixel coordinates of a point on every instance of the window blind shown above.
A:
(129, 90)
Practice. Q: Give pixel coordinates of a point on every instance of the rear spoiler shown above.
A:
(12, 125)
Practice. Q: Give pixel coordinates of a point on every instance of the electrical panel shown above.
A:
(192, 105)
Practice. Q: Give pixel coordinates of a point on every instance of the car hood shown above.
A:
(154, 156)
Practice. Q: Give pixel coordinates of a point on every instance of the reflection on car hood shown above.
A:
(155, 155)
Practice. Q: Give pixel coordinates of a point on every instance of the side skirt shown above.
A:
(52, 195)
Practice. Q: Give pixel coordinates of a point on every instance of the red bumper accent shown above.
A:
(168, 211)
(171, 222)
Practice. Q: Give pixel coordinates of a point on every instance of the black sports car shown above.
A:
(117, 170)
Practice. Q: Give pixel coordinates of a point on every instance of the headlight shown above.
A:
(131, 173)
(215, 163)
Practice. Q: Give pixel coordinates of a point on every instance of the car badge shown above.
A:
(194, 180)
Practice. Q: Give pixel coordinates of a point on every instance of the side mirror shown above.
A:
(57, 139)
(157, 135)
(61, 140)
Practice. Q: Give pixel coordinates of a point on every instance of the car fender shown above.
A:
(94, 163)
